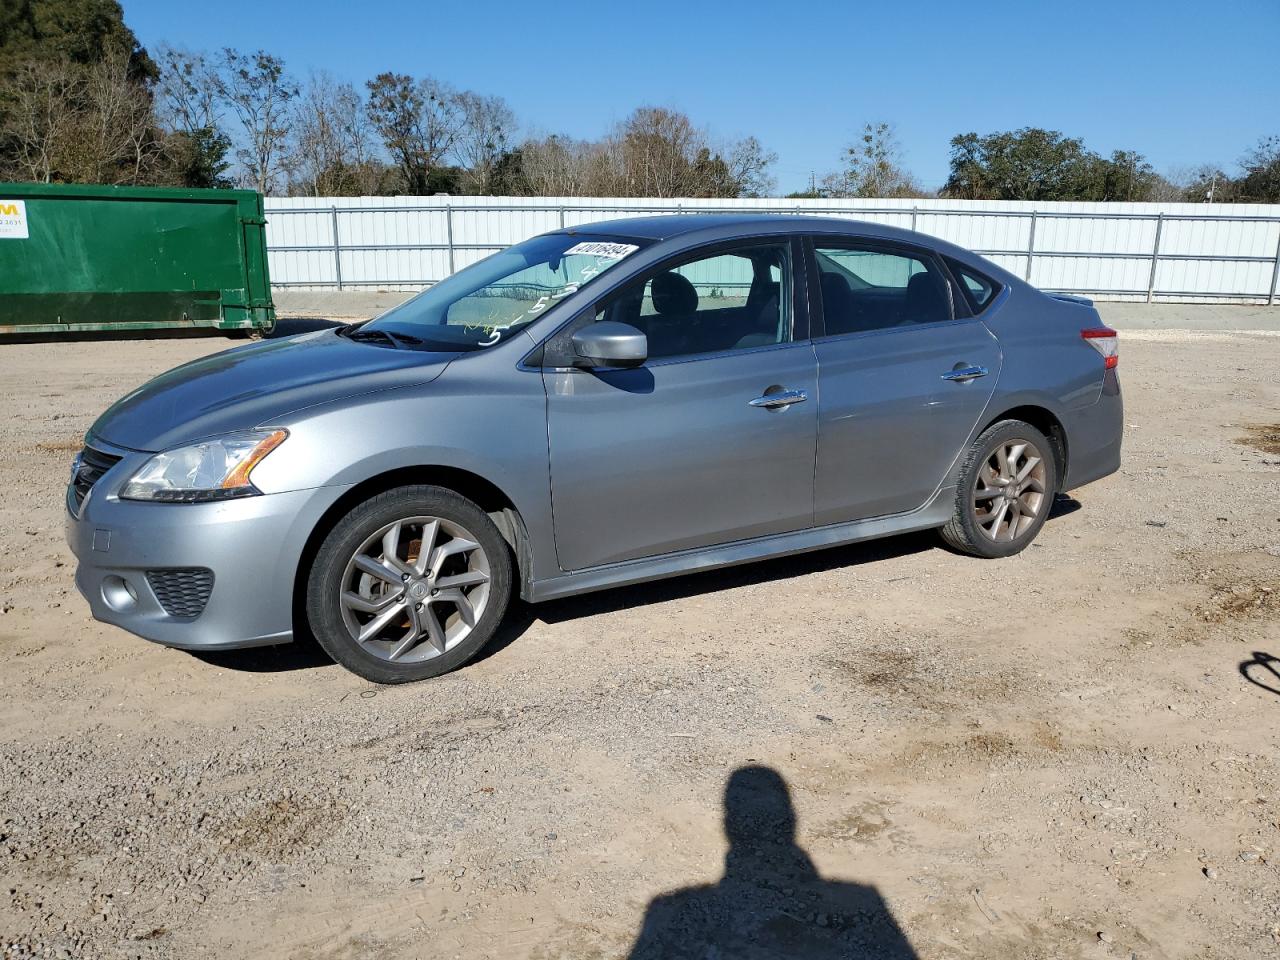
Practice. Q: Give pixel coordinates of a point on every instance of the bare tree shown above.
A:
(40, 119)
(873, 167)
(85, 124)
(555, 166)
(187, 95)
(483, 137)
(116, 130)
(659, 148)
(655, 152)
(260, 94)
(189, 109)
(333, 150)
(749, 164)
(1261, 180)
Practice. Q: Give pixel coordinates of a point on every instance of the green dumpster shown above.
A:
(80, 258)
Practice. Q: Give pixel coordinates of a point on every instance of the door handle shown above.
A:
(783, 398)
(965, 374)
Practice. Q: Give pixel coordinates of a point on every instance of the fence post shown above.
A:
(1155, 257)
(914, 210)
(448, 225)
(562, 216)
(1275, 276)
(1031, 246)
(337, 247)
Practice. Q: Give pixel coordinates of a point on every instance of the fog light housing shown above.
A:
(118, 594)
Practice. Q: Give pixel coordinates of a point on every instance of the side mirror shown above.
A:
(610, 344)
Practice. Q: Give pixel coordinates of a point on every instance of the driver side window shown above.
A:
(735, 299)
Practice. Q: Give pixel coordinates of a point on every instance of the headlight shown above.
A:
(216, 469)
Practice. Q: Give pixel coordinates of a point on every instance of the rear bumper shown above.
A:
(1094, 436)
(252, 547)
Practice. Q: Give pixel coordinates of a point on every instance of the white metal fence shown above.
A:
(1121, 251)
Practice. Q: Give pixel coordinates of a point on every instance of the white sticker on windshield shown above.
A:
(602, 248)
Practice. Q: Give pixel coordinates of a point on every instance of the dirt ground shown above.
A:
(1068, 754)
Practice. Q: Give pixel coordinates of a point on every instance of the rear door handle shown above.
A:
(965, 374)
(783, 398)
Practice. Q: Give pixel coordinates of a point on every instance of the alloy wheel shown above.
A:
(415, 589)
(1010, 490)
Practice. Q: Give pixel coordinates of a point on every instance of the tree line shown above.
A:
(82, 102)
(1044, 165)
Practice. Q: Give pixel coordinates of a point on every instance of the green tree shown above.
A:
(1037, 164)
(1127, 176)
(1026, 164)
(197, 158)
(418, 121)
(508, 175)
(78, 31)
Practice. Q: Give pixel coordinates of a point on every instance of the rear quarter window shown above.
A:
(978, 289)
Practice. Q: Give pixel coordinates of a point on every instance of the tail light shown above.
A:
(1107, 342)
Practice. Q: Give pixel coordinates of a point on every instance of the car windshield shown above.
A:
(487, 302)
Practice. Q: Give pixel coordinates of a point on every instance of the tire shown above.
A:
(983, 491)
(410, 596)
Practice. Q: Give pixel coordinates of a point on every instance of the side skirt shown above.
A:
(933, 514)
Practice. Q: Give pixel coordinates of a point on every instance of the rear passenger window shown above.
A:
(979, 290)
(871, 289)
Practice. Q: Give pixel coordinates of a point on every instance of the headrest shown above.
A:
(673, 295)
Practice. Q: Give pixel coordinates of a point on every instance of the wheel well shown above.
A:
(1050, 426)
(474, 487)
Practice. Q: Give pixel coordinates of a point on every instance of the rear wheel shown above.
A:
(1005, 491)
(409, 585)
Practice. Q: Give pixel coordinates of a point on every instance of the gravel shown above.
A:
(1071, 732)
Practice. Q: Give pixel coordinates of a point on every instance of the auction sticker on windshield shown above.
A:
(602, 248)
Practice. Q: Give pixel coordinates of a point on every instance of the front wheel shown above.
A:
(1005, 491)
(409, 585)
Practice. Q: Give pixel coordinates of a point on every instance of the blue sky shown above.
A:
(1184, 83)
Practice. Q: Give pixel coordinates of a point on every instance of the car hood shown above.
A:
(248, 386)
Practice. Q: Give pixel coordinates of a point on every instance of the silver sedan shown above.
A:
(596, 406)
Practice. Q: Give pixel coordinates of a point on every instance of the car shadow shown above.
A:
(771, 901)
(521, 616)
(1063, 505)
(302, 654)
(1262, 671)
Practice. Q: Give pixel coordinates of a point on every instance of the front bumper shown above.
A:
(251, 545)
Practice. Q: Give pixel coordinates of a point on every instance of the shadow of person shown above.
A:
(1262, 671)
(771, 901)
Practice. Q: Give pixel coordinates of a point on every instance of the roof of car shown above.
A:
(710, 227)
(665, 227)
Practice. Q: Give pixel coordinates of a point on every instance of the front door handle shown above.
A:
(965, 374)
(783, 398)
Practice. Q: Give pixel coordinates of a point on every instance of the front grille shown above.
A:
(182, 591)
(89, 469)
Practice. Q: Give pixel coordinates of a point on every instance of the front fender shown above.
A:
(493, 427)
